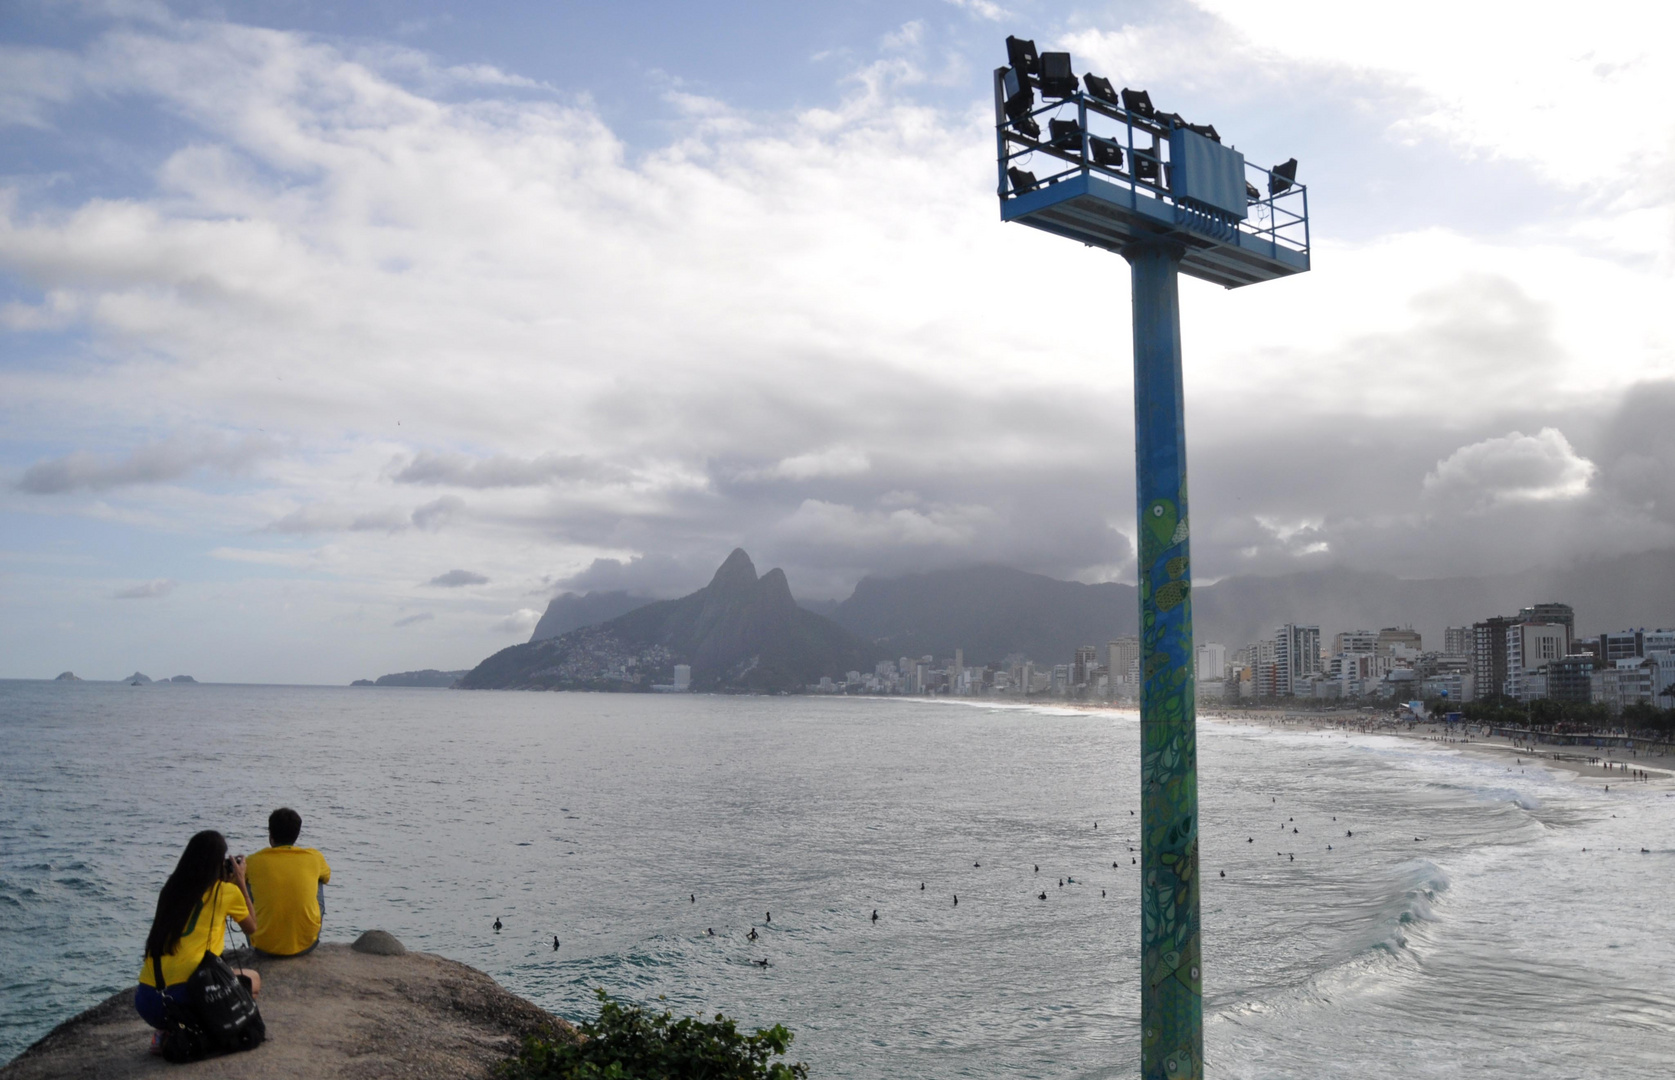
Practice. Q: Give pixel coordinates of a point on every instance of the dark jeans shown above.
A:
(148, 1002)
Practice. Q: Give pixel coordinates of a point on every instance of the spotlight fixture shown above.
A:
(1021, 54)
(1145, 168)
(1108, 154)
(1170, 119)
(1137, 102)
(1067, 135)
(1057, 80)
(1021, 181)
(1100, 87)
(1026, 125)
(1020, 98)
(1251, 194)
(1206, 130)
(1282, 177)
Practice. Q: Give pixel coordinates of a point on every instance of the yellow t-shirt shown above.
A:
(206, 931)
(284, 885)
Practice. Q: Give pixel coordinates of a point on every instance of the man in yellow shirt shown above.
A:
(285, 887)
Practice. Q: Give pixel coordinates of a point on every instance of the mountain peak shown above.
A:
(738, 572)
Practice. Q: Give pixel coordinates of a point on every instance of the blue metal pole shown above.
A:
(1171, 988)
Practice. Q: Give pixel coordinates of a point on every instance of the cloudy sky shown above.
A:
(335, 338)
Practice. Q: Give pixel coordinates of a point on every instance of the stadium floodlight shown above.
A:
(1282, 176)
(1022, 181)
(1026, 125)
(1137, 102)
(1021, 54)
(1201, 223)
(1020, 96)
(1100, 87)
(1057, 79)
(1066, 135)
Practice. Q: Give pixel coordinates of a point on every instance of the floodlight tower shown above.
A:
(1178, 202)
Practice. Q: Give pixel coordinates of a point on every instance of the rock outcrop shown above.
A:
(740, 632)
(571, 611)
(339, 1011)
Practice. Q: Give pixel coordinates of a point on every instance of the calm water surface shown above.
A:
(1461, 932)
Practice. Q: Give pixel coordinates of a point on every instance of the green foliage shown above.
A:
(628, 1043)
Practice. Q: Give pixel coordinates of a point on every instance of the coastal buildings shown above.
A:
(1513, 660)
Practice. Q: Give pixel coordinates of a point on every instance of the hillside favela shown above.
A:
(947, 540)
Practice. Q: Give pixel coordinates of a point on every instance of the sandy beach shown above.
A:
(1604, 765)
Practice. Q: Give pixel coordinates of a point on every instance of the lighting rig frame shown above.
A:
(1093, 198)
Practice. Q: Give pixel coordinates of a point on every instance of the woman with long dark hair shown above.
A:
(205, 890)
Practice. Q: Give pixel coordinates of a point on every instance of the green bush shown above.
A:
(629, 1043)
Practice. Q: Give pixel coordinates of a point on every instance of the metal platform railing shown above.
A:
(1091, 136)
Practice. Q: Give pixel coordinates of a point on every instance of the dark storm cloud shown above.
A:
(455, 579)
(1636, 455)
(155, 463)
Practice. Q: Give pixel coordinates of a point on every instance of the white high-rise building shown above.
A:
(1210, 661)
(1296, 656)
(1529, 648)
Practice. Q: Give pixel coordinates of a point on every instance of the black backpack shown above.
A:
(226, 1011)
(218, 1017)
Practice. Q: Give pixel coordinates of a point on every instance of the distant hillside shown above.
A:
(1608, 594)
(428, 677)
(740, 632)
(991, 611)
(572, 611)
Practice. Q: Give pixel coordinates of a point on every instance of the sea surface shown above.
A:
(1461, 932)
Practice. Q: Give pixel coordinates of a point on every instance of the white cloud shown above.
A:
(1519, 85)
(296, 560)
(833, 461)
(520, 622)
(503, 471)
(154, 463)
(983, 9)
(1543, 467)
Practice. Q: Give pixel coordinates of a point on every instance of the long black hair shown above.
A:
(199, 868)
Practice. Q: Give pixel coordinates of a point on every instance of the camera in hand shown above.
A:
(227, 867)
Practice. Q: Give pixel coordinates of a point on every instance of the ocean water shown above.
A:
(1462, 931)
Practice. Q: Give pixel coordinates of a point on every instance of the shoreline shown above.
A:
(1608, 766)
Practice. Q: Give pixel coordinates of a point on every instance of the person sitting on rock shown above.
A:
(287, 887)
(205, 890)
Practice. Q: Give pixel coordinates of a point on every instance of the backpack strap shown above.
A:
(157, 973)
